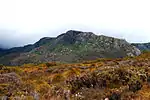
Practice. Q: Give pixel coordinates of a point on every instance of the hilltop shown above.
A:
(72, 46)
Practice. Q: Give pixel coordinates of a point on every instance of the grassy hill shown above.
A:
(116, 79)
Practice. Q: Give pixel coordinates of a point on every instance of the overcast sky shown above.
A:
(26, 21)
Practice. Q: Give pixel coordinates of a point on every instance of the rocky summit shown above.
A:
(72, 46)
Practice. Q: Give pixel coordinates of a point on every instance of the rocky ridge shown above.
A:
(72, 46)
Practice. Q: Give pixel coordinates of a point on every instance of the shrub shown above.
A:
(50, 64)
(1, 66)
(135, 86)
(115, 96)
(58, 78)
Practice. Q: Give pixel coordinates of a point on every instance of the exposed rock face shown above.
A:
(72, 46)
(72, 37)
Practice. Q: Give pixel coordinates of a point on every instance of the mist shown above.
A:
(26, 21)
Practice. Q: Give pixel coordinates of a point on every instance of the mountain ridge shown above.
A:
(72, 46)
(142, 46)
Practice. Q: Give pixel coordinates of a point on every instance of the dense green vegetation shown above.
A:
(116, 79)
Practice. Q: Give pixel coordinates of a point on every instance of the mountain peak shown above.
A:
(73, 36)
(72, 46)
(73, 32)
(77, 33)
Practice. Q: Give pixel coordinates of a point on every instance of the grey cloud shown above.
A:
(12, 38)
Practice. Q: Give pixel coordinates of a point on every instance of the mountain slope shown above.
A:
(72, 46)
(142, 46)
(25, 48)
